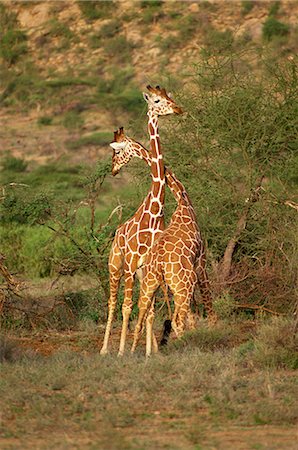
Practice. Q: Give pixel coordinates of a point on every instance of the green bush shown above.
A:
(247, 6)
(14, 164)
(93, 10)
(274, 8)
(12, 45)
(72, 120)
(24, 207)
(100, 138)
(239, 130)
(45, 120)
(119, 48)
(152, 11)
(276, 345)
(60, 29)
(274, 28)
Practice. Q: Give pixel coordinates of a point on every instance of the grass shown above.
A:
(94, 10)
(99, 138)
(192, 398)
(273, 28)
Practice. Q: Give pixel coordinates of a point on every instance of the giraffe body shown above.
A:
(177, 256)
(136, 236)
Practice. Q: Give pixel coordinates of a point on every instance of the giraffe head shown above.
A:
(124, 149)
(160, 103)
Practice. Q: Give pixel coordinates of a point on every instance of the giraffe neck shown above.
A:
(157, 164)
(176, 187)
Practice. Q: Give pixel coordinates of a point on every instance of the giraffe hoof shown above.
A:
(104, 351)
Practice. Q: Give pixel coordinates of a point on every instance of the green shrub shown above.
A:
(218, 41)
(276, 345)
(151, 3)
(93, 10)
(12, 45)
(72, 120)
(247, 6)
(274, 8)
(14, 164)
(110, 29)
(107, 31)
(8, 18)
(118, 47)
(99, 138)
(224, 306)
(60, 29)
(24, 207)
(274, 28)
(45, 120)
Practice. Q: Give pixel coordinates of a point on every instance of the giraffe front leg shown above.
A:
(148, 288)
(143, 309)
(115, 269)
(126, 311)
(150, 338)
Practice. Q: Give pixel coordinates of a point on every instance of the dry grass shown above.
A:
(190, 397)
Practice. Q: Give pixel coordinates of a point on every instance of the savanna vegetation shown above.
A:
(235, 149)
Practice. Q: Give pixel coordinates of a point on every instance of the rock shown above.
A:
(34, 17)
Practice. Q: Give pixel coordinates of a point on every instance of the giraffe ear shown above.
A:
(146, 97)
(117, 145)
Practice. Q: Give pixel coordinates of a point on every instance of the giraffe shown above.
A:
(134, 238)
(183, 222)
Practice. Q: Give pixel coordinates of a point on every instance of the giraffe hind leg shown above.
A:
(116, 272)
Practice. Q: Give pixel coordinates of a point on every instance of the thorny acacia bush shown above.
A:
(236, 151)
(42, 236)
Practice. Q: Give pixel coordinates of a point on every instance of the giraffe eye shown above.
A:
(157, 101)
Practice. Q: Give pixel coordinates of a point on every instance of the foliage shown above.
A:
(274, 28)
(13, 45)
(120, 92)
(247, 6)
(45, 120)
(13, 41)
(99, 138)
(119, 48)
(152, 11)
(274, 8)
(59, 29)
(276, 345)
(73, 120)
(239, 131)
(93, 10)
(14, 164)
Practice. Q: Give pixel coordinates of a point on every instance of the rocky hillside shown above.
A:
(72, 71)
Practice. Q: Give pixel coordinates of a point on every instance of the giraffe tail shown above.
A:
(167, 328)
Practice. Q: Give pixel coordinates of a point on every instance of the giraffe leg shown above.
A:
(191, 320)
(180, 313)
(126, 311)
(181, 283)
(204, 285)
(148, 288)
(149, 330)
(143, 309)
(166, 297)
(115, 269)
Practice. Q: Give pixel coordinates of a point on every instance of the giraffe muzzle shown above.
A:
(115, 172)
(178, 110)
